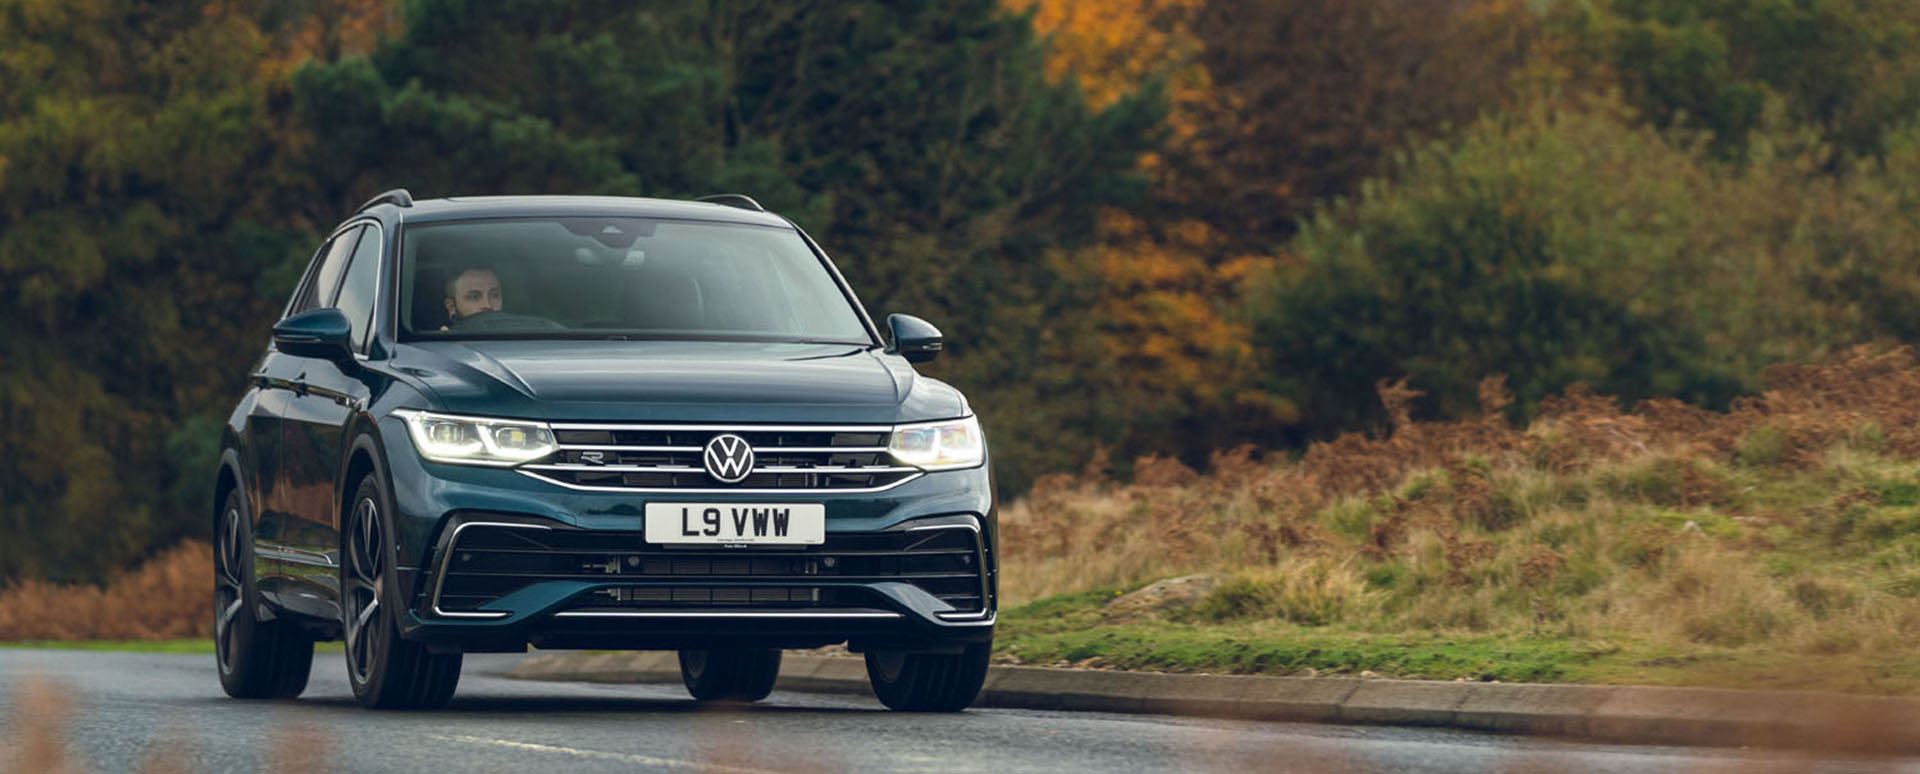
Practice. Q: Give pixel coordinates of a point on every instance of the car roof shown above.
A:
(463, 207)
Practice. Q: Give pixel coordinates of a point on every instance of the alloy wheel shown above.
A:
(229, 590)
(366, 566)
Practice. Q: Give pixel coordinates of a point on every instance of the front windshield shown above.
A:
(628, 278)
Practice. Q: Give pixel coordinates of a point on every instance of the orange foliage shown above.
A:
(171, 596)
(1160, 320)
(1813, 407)
(1112, 46)
(1159, 314)
(336, 28)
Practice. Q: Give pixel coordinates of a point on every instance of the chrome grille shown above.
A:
(669, 458)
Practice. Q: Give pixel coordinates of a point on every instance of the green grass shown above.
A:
(1072, 630)
(138, 646)
(131, 646)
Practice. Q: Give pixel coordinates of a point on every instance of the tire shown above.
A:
(386, 672)
(741, 675)
(256, 659)
(928, 682)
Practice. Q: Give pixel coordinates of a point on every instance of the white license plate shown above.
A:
(736, 523)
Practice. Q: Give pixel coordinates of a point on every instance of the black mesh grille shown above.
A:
(488, 562)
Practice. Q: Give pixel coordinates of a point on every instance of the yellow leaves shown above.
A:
(339, 28)
(1114, 46)
(1161, 319)
(1111, 45)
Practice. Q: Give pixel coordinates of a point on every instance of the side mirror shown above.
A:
(913, 338)
(321, 333)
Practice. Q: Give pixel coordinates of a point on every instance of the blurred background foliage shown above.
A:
(1147, 225)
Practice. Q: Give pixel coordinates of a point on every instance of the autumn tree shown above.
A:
(133, 226)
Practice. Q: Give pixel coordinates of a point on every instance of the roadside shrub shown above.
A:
(1868, 437)
(1762, 447)
(1821, 597)
(1311, 594)
(1555, 245)
(1898, 493)
(169, 596)
(1906, 585)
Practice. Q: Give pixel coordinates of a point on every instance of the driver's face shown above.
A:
(474, 292)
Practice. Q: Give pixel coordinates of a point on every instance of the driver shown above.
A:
(471, 292)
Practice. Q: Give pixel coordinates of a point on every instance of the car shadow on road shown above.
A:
(585, 705)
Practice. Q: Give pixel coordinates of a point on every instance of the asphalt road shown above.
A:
(128, 711)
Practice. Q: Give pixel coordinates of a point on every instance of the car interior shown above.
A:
(609, 274)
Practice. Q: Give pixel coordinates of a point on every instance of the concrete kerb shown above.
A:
(1636, 715)
(1544, 710)
(1405, 702)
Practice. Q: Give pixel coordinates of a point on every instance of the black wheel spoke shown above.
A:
(229, 552)
(364, 564)
(223, 623)
(229, 591)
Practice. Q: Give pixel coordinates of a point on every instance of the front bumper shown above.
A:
(452, 518)
(500, 582)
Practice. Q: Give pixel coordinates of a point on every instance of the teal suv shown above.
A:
(609, 423)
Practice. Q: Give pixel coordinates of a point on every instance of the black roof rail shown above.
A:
(397, 197)
(742, 201)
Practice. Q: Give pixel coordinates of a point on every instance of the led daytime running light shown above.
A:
(948, 445)
(477, 440)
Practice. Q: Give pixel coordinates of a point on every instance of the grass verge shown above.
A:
(1775, 545)
(186, 645)
(129, 646)
(1075, 630)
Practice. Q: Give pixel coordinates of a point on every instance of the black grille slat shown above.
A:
(489, 562)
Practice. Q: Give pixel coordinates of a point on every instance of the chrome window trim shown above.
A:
(811, 492)
(379, 276)
(453, 540)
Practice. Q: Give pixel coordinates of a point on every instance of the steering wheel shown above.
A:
(503, 321)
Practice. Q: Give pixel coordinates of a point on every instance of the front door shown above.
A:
(279, 377)
(326, 397)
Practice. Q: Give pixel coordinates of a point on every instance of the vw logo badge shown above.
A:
(729, 459)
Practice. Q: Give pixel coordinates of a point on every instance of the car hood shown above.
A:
(677, 381)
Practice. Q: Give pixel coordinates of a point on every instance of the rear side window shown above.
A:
(318, 294)
(358, 291)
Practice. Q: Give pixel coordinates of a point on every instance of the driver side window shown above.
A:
(324, 279)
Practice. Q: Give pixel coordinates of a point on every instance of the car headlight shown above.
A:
(948, 445)
(477, 440)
